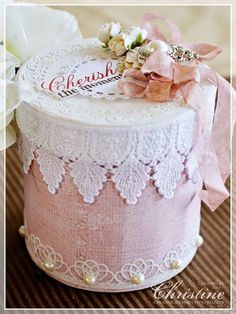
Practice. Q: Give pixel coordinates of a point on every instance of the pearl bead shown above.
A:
(89, 279)
(176, 264)
(138, 279)
(199, 241)
(48, 266)
(157, 45)
(22, 231)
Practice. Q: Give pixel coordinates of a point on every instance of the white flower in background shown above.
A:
(29, 29)
(134, 36)
(2, 2)
(108, 30)
(11, 64)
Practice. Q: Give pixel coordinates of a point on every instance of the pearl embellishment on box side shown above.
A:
(22, 231)
(176, 264)
(48, 266)
(89, 279)
(138, 279)
(199, 241)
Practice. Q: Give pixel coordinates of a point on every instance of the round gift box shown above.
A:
(112, 204)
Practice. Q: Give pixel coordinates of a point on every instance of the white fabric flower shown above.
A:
(30, 29)
(11, 64)
(134, 35)
(10, 134)
(127, 41)
(108, 30)
(2, 2)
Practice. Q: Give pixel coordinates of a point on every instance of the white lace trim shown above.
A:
(129, 157)
(104, 278)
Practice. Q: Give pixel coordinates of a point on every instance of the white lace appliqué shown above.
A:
(80, 271)
(129, 157)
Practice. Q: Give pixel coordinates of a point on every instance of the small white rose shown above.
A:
(133, 32)
(104, 33)
(134, 35)
(137, 32)
(144, 34)
(127, 41)
(115, 29)
(108, 30)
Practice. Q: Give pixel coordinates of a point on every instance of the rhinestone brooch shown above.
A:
(179, 54)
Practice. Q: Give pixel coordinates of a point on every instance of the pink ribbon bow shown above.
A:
(159, 79)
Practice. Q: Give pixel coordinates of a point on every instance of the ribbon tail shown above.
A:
(154, 32)
(222, 130)
(213, 145)
(214, 191)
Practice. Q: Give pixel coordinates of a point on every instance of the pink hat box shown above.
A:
(112, 183)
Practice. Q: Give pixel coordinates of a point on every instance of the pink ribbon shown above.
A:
(212, 146)
(160, 77)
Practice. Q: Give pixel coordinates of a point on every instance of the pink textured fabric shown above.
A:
(109, 231)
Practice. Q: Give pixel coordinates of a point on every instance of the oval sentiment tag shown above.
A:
(89, 76)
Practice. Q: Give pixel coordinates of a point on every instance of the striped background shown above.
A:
(29, 287)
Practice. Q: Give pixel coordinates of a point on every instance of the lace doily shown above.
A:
(128, 156)
(85, 109)
(77, 274)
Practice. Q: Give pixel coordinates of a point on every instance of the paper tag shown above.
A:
(91, 76)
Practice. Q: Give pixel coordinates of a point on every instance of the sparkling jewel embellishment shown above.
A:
(176, 264)
(22, 231)
(138, 279)
(199, 241)
(89, 280)
(179, 54)
(143, 54)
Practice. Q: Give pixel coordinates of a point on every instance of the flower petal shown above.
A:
(133, 83)
(160, 63)
(158, 90)
(30, 29)
(204, 51)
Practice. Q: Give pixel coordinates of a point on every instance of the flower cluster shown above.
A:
(152, 66)
(119, 42)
